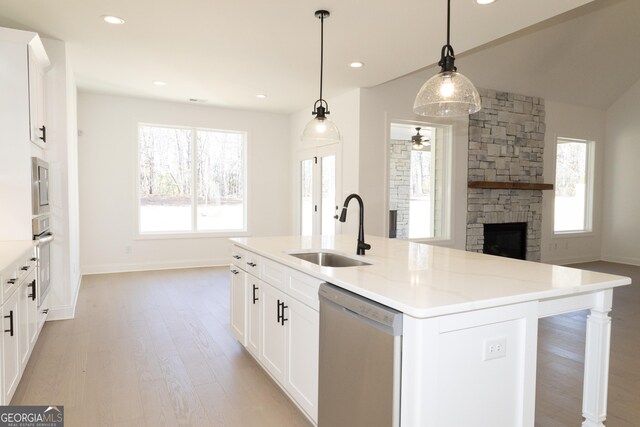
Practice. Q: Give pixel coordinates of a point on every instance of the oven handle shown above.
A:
(48, 238)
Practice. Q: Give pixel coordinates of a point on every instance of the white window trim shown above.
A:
(447, 181)
(589, 188)
(192, 234)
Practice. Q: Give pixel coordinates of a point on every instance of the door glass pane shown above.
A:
(328, 194)
(220, 181)
(165, 179)
(306, 197)
(571, 186)
(420, 196)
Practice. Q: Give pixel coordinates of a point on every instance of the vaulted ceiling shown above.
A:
(227, 52)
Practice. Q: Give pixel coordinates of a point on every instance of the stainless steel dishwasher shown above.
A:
(360, 361)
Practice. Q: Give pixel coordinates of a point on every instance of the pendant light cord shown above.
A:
(448, 22)
(321, 52)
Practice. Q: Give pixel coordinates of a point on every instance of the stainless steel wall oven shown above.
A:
(43, 238)
(39, 186)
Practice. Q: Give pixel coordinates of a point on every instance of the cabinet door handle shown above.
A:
(282, 318)
(255, 298)
(10, 317)
(237, 256)
(11, 281)
(235, 271)
(24, 268)
(43, 129)
(251, 264)
(33, 259)
(279, 319)
(32, 295)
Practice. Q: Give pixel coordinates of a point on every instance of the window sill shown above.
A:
(572, 234)
(191, 235)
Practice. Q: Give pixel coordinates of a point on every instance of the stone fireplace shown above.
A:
(506, 143)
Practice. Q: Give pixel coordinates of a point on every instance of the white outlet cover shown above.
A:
(494, 348)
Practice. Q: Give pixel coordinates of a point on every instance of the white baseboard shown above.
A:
(66, 312)
(163, 265)
(621, 260)
(567, 261)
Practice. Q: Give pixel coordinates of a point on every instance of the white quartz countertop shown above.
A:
(11, 250)
(424, 281)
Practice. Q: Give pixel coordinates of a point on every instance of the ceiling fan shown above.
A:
(418, 140)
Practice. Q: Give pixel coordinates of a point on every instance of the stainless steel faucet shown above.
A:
(362, 246)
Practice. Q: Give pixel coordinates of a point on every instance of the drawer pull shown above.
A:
(252, 264)
(235, 271)
(32, 295)
(25, 268)
(10, 317)
(237, 257)
(255, 298)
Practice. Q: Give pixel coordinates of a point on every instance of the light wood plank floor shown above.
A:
(561, 359)
(154, 348)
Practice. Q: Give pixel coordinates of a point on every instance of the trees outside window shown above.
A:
(573, 186)
(191, 180)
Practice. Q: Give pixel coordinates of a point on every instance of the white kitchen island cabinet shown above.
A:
(470, 321)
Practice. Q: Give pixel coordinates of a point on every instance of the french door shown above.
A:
(318, 183)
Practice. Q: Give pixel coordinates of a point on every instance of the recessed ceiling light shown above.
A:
(485, 1)
(113, 19)
(356, 65)
(261, 96)
(159, 83)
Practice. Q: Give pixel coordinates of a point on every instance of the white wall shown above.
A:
(380, 106)
(621, 225)
(571, 121)
(108, 172)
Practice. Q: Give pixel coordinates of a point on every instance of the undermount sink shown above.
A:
(329, 259)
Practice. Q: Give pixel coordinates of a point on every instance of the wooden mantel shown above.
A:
(510, 185)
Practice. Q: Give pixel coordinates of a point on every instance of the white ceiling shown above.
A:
(226, 52)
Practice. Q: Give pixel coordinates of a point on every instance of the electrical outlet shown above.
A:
(495, 348)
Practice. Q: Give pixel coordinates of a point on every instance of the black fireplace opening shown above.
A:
(507, 240)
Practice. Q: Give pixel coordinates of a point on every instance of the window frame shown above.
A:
(193, 233)
(589, 187)
(446, 137)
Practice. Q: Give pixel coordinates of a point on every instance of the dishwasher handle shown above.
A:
(371, 312)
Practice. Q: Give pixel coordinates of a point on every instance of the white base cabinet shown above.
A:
(20, 320)
(238, 302)
(281, 328)
(10, 347)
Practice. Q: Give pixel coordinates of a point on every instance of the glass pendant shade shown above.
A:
(447, 94)
(321, 130)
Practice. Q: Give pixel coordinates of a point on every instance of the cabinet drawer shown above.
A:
(15, 273)
(303, 288)
(273, 273)
(238, 257)
(252, 264)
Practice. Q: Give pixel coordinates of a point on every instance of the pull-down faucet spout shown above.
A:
(362, 246)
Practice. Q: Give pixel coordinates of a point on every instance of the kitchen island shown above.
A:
(470, 323)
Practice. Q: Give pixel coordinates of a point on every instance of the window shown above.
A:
(419, 181)
(573, 187)
(191, 180)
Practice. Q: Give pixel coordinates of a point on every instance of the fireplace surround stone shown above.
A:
(506, 144)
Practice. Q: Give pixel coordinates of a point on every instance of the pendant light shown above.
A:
(320, 129)
(448, 93)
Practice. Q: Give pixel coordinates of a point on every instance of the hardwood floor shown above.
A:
(561, 359)
(154, 348)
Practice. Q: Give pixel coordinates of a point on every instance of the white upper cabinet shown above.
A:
(38, 63)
